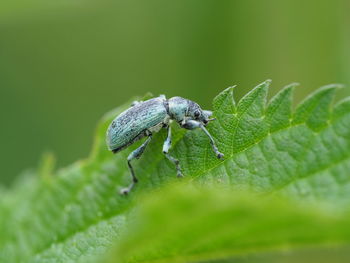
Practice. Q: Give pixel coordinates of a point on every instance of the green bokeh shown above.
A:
(64, 64)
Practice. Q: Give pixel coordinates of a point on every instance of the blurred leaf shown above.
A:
(11, 9)
(191, 223)
(76, 214)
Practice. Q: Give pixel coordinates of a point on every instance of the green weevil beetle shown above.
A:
(144, 118)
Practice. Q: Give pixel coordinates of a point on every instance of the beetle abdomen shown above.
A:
(132, 124)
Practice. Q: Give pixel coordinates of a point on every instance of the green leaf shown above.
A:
(279, 110)
(314, 111)
(284, 183)
(192, 223)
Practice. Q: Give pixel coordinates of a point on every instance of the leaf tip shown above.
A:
(47, 165)
(268, 82)
(314, 110)
(264, 86)
(256, 97)
(279, 108)
(292, 85)
(225, 101)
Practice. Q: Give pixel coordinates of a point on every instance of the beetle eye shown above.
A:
(197, 113)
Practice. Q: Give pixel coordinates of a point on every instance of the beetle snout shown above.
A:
(207, 113)
(208, 120)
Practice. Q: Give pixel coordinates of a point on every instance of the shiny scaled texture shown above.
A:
(132, 124)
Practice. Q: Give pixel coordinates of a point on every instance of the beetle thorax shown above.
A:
(178, 108)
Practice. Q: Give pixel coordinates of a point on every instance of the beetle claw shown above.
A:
(221, 156)
(124, 191)
(179, 175)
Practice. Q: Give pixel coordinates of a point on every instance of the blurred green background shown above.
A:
(63, 64)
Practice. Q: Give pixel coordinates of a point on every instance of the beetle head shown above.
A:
(180, 108)
(196, 113)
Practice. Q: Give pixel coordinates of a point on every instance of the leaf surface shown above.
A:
(275, 160)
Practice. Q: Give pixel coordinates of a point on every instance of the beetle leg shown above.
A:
(219, 155)
(136, 154)
(166, 147)
(192, 124)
